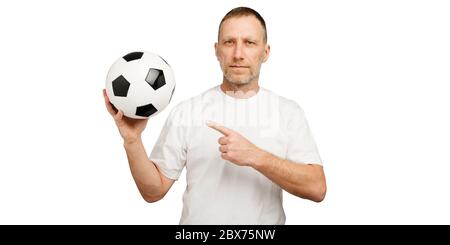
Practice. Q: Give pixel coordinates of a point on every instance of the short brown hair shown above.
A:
(244, 11)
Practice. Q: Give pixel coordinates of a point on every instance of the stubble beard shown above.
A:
(242, 81)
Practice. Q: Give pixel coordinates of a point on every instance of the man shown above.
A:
(255, 143)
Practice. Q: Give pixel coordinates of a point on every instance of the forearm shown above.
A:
(144, 171)
(303, 180)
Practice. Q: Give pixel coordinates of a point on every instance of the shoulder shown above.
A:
(286, 106)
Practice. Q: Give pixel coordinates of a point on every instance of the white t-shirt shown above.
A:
(218, 191)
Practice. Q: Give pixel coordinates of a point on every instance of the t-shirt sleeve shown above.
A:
(169, 152)
(301, 146)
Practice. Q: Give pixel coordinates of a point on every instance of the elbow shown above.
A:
(319, 193)
(151, 198)
(314, 188)
(315, 193)
(151, 193)
(319, 187)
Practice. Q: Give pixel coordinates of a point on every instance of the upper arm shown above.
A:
(166, 184)
(162, 190)
(169, 152)
(301, 144)
(318, 169)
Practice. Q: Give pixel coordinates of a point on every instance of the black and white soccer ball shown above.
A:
(141, 84)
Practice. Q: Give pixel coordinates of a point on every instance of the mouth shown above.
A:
(239, 67)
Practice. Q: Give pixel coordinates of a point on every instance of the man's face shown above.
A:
(241, 49)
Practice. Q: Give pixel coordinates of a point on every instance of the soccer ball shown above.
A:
(141, 84)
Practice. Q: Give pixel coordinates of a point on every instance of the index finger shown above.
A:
(224, 130)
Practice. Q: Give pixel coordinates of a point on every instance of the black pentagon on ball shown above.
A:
(133, 56)
(120, 86)
(145, 110)
(155, 78)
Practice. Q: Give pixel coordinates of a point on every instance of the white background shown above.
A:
(372, 77)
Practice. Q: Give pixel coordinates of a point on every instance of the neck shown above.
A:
(240, 91)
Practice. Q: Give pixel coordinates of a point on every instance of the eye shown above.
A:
(250, 42)
(228, 42)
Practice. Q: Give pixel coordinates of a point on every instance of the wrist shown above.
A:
(128, 142)
(260, 159)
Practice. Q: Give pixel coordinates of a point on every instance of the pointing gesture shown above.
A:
(236, 148)
(223, 130)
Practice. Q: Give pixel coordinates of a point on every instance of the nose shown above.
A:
(238, 51)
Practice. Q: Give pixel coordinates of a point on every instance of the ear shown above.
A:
(266, 52)
(215, 48)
